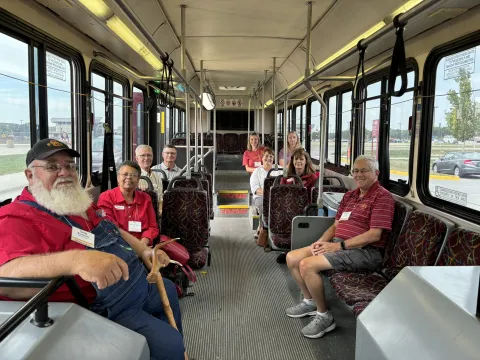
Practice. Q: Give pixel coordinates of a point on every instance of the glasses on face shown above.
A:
(170, 153)
(53, 167)
(146, 156)
(361, 171)
(129, 175)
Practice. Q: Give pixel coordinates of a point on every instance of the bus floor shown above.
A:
(238, 310)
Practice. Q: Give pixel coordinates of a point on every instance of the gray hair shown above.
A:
(141, 147)
(131, 164)
(371, 161)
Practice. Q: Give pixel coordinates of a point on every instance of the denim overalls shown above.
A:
(126, 302)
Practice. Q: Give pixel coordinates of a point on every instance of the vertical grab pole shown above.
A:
(201, 112)
(308, 40)
(275, 116)
(214, 146)
(195, 164)
(249, 100)
(263, 107)
(285, 112)
(187, 90)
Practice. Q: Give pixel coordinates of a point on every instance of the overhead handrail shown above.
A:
(361, 64)
(399, 61)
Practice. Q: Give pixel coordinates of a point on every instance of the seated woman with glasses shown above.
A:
(130, 208)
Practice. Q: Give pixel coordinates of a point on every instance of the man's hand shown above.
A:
(100, 268)
(259, 191)
(146, 241)
(316, 245)
(326, 247)
(162, 257)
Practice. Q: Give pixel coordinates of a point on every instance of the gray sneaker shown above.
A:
(302, 309)
(319, 326)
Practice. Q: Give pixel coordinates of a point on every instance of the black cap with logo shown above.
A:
(47, 147)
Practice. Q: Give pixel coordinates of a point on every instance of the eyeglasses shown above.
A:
(144, 156)
(52, 167)
(362, 171)
(131, 175)
(170, 153)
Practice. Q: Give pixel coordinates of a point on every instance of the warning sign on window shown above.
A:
(56, 67)
(462, 60)
(453, 196)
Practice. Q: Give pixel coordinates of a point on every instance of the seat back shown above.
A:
(286, 202)
(267, 184)
(220, 148)
(179, 142)
(242, 143)
(153, 195)
(192, 184)
(400, 217)
(461, 249)
(230, 143)
(206, 180)
(419, 242)
(185, 214)
(164, 178)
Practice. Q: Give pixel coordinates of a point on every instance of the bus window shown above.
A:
(59, 99)
(118, 110)
(372, 121)
(332, 139)
(315, 130)
(455, 147)
(15, 115)
(138, 121)
(346, 119)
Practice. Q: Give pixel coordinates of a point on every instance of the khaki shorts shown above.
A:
(355, 260)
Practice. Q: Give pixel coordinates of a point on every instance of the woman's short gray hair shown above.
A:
(131, 164)
(371, 161)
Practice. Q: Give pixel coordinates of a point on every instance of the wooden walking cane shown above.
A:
(155, 277)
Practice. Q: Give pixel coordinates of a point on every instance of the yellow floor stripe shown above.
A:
(233, 206)
(233, 191)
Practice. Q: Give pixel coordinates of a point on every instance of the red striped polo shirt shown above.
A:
(373, 211)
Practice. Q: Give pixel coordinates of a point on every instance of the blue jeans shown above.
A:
(142, 311)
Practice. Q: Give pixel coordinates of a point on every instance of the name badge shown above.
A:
(83, 237)
(258, 163)
(135, 226)
(345, 215)
(119, 207)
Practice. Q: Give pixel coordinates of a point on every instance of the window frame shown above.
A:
(146, 135)
(111, 76)
(426, 127)
(384, 129)
(338, 92)
(34, 37)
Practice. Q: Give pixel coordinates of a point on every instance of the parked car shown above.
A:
(449, 139)
(458, 163)
(97, 151)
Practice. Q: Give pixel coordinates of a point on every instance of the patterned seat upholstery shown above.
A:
(199, 258)
(286, 202)
(418, 244)
(269, 141)
(185, 216)
(359, 307)
(192, 184)
(242, 143)
(179, 142)
(209, 178)
(267, 184)
(207, 139)
(219, 138)
(462, 249)
(230, 143)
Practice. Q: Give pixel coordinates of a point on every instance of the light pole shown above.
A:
(400, 124)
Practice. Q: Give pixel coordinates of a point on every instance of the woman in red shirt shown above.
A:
(130, 208)
(252, 157)
(302, 166)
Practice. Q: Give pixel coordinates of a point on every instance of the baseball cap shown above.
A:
(47, 147)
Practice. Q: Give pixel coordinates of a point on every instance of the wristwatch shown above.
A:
(342, 244)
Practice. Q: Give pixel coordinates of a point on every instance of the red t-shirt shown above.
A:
(25, 230)
(141, 210)
(373, 211)
(253, 158)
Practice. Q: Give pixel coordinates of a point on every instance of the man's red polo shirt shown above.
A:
(117, 209)
(25, 230)
(373, 211)
(253, 158)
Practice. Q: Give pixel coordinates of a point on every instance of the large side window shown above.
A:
(450, 168)
(315, 119)
(110, 101)
(139, 116)
(331, 125)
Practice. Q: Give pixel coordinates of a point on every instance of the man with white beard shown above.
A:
(52, 229)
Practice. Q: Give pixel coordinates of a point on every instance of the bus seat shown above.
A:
(179, 142)
(418, 244)
(191, 184)
(153, 195)
(78, 332)
(286, 202)
(219, 138)
(230, 143)
(242, 142)
(267, 184)
(359, 307)
(185, 215)
(461, 249)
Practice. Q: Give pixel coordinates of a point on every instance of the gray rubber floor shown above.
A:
(237, 312)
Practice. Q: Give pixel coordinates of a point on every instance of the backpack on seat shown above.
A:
(182, 276)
